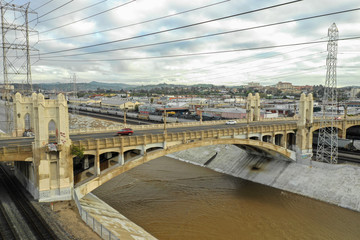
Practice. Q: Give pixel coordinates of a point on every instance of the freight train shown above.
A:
(133, 115)
(345, 144)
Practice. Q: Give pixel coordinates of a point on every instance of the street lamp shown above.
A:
(165, 120)
(125, 116)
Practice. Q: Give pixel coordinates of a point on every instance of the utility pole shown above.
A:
(125, 116)
(74, 86)
(15, 48)
(327, 148)
(165, 120)
(74, 91)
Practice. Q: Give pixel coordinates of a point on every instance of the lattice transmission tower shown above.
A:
(15, 53)
(327, 147)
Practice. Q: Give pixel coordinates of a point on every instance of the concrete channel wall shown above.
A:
(108, 223)
(336, 184)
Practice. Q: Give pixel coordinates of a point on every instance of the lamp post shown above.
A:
(125, 115)
(165, 120)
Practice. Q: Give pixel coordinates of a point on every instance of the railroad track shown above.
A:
(7, 230)
(37, 225)
(112, 117)
(345, 156)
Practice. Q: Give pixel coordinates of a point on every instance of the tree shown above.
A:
(77, 151)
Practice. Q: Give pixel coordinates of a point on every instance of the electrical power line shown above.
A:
(49, 19)
(43, 5)
(203, 36)
(181, 27)
(52, 11)
(94, 15)
(204, 68)
(203, 53)
(134, 24)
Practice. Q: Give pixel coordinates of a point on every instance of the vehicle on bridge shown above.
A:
(125, 131)
(231, 122)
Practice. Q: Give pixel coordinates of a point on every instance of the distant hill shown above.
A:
(108, 86)
(82, 86)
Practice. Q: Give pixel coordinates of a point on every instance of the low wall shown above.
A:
(170, 125)
(335, 184)
(108, 223)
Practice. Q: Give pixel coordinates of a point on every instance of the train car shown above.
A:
(143, 116)
(172, 120)
(344, 143)
(156, 118)
(97, 110)
(104, 111)
(112, 112)
(119, 113)
(356, 144)
(132, 115)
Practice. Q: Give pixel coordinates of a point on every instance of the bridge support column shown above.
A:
(97, 159)
(121, 158)
(284, 140)
(52, 165)
(97, 164)
(143, 150)
(343, 133)
(253, 107)
(304, 132)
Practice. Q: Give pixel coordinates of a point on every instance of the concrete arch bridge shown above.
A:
(48, 174)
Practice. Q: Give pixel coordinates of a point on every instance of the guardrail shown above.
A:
(100, 229)
(91, 144)
(173, 125)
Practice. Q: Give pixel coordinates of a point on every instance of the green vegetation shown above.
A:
(77, 151)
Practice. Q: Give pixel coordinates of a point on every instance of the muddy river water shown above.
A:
(176, 200)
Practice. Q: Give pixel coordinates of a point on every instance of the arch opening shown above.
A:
(130, 154)
(83, 167)
(51, 131)
(108, 159)
(266, 138)
(353, 133)
(291, 141)
(278, 139)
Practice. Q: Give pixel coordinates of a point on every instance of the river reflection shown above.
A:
(176, 200)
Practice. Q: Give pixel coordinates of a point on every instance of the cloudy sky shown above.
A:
(221, 42)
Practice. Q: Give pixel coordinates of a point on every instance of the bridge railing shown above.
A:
(13, 153)
(99, 228)
(91, 144)
(172, 125)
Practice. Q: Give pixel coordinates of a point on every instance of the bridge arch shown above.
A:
(266, 148)
(353, 132)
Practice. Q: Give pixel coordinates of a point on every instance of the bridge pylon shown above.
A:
(304, 135)
(49, 176)
(253, 107)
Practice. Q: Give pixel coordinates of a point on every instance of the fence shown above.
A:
(102, 231)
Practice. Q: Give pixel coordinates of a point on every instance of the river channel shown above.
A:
(176, 200)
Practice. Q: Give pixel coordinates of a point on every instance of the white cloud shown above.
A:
(267, 66)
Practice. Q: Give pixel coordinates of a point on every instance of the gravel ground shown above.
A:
(65, 220)
(64, 216)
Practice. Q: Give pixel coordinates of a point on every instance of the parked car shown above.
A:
(231, 122)
(125, 131)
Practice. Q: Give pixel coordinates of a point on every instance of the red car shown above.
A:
(125, 131)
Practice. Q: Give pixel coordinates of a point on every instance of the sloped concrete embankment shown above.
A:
(335, 184)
